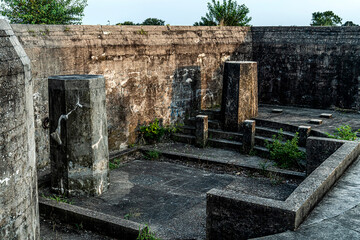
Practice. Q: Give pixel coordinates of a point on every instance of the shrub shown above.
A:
(285, 154)
(344, 132)
(154, 132)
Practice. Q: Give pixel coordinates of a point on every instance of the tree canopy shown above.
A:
(227, 13)
(349, 24)
(148, 21)
(327, 18)
(153, 21)
(43, 11)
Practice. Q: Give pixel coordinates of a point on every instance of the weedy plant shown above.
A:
(344, 132)
(152, 155)
(146, 234)
(154, 131)
(58, 199)
(285, 154)
(114, 163)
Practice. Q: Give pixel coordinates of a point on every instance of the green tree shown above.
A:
(153, 21)
(227, 13)
(327, 18)
(349, 24)
(43, 11)
(127, 23)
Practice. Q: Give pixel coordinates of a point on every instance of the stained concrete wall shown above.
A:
(308, 66)
(19, 217)
(148, 70)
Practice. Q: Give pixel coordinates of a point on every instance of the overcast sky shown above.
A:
(186, 12)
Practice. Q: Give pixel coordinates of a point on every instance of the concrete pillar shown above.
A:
(248, 136)
(201, 131)
(240, 94)
(304, 133)
(19, 212)
(78, 135)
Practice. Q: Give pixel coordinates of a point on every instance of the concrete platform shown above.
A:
(301, 116)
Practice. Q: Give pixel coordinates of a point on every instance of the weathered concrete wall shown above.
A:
(310, 66)
(158, 72)
(145, 69)
(19, 218)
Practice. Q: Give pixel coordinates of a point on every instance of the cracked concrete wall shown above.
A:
(315, 67)
(145, 69)
(19, 215)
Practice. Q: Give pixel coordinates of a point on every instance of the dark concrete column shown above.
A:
(201, 131)
(248, 136)
(304, 133)
(240, 94)
(79, 140)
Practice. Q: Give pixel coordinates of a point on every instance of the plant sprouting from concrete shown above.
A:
(345, 132)
(146, 234)
(285, 154)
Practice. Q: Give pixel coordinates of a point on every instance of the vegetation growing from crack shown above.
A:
(152, 155)
(344, 132)
(58, 198)
(154, 131)
(146, 234)
(285, 154)
(114, 163)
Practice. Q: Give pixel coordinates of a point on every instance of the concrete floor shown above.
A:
(171, 198)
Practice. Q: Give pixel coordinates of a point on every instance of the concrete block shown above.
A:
(240, 94)
(304, 133)
(79, 139)
(316, 121)
(276, 110)
(248, 135)
(201, 130)
(326, 115)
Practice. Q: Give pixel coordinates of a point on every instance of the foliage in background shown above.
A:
(43, 11)
(148, 21)
(227, 13)
(285, 154)
(153, 21)
(344, 133)
(327, 18)
(349, 24)
(146, 234)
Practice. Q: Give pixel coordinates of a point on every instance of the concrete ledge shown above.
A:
(209, 160)
(98, 222)
(232, 215)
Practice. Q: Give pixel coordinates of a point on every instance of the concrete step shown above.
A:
(275, 125)
(262, 151)
(213, 124)
(187, 130)
(212, 114)
(231, 136)
(269, 132)
(225, 144)
(183, 138)
(261, 142)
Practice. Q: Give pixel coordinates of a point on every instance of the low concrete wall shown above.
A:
(90, 220)
(232, 215)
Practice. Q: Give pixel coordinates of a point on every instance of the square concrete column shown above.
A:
(78, 135)
(304, 133)
(248, 136)
(240, 94)
(201, 130)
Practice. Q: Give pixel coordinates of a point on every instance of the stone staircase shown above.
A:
(233, 140)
